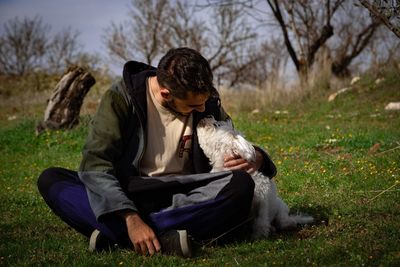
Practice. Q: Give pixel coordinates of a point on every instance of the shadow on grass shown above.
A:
(241, 234)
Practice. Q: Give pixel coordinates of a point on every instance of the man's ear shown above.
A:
(165, 93)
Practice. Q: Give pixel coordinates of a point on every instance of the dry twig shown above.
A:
(384, 191)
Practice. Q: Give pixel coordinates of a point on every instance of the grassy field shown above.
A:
(338, 161)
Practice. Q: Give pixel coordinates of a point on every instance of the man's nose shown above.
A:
(201, 108)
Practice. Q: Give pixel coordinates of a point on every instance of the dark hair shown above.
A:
(184, 69)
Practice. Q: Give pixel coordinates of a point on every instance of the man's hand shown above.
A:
(235, 162)
(141, 235)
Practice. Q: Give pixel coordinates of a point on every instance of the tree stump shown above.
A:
(64, 105)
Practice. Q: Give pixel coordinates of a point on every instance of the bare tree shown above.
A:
(141, 35)
(23, 45)
(27, 45)
(354, 32)
(272, 61)
(157, 25)
(310, 27)
(254, 61)
(184, 29)
(387, 11)
(63, 50)
(232, 33)
(223, 39)
(383, 51)
(242, 69)
(118, 42)
(306, 27)
(259, 65)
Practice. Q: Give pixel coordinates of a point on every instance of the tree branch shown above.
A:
(372, 9)
(278, 15)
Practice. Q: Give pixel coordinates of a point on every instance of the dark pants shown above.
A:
(66, 195)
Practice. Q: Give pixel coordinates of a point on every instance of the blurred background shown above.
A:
(280, 52)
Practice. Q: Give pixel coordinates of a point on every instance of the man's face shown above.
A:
(189, 104)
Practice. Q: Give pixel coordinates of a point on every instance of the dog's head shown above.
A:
(218, 139)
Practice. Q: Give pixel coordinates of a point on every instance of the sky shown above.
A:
(88, 17)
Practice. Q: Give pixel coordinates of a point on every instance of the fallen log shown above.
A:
(64, 105)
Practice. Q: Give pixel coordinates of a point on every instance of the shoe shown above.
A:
(98, 242)
(176, 242)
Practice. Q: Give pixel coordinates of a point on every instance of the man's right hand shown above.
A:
(141, 235)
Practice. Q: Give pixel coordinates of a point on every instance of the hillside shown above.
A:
(338, 161)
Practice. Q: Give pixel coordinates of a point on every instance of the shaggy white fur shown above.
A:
(217, 139)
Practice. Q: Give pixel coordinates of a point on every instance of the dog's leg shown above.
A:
(283, 220)
(262, 220)
(263, 210)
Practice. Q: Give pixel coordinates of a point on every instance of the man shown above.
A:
(144, 182)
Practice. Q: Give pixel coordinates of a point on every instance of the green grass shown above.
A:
(325, 166)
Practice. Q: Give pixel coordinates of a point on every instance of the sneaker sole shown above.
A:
(92, 241)
(184, 241)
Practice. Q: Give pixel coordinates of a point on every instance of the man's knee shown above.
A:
(240, 188)
(45, 179)
(51, 176)
(243, 183)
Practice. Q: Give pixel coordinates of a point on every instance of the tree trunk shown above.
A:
(63, 107)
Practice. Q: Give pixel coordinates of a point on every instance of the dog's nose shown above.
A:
(210, 117)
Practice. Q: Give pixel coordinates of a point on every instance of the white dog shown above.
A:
(217, 139)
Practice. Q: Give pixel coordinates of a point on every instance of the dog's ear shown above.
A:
(244, 149)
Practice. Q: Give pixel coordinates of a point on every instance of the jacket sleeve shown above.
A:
(268, 167)
(103, 146)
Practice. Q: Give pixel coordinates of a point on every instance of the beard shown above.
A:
(171, 105)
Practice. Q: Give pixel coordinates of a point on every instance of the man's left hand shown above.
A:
(236, 162)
